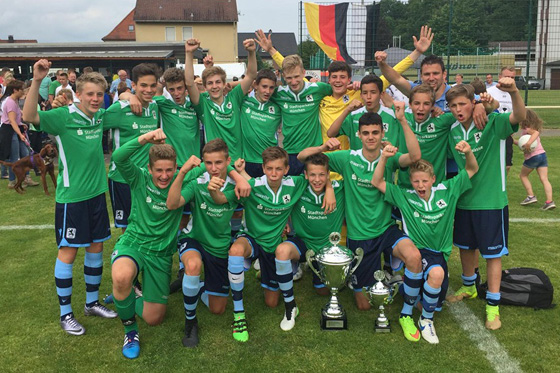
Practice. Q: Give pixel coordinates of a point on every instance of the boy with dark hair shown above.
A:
(125, 126)
(81, 218)
(481, 221)
(427, 214)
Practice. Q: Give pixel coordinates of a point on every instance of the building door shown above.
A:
(554, 78)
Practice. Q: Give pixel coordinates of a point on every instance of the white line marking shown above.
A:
(486, 342)
(533, 220)
(25, 227)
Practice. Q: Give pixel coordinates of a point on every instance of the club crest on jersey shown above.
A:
(431, 127)
(203, 205)
(70, 233)
(259, 206)
(385, 127)
(441, 203)
(229, 105)
(80, 132)
(148, 199)
(98, 121)
(303, 210)
(477, 136)
(135, 125)
(345, 99)
(286, 198)
(173, 111)
(271, 110)
(309, 98)
(154, 114)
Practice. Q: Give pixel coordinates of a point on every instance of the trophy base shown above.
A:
(382, 328)
(331, 323)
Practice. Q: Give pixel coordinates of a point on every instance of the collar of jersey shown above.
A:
(318, 198)
(264, 181)
(360, 153)
(75, 109)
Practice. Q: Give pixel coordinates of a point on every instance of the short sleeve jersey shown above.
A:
(367, 214)
(432, 135)
(266, 212)
(223, 121)
(300, 115)
(489, 183)
(210, 221)
(180, 125)
(53, 86)
(309, 219)
(429, 224)
(126, 126)
(81, 166)
(259, 127)
(502, 97)
(391, 127)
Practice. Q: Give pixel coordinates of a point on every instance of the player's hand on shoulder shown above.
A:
(380, 56)
(389, 151)
(135, 105)
(41, 69)
(507, 85)
(463, 147)
(239, 165)
(331, 144)
(329, 201)
(354, 105)
(59, 101)
(486, 97)
(250, 45)
(436, 112)
(242, 189)
(191, 45)
(354, 86)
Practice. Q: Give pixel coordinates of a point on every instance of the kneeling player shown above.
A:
(427, 213)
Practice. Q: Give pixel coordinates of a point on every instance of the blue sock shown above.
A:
(468, 280)
(190, 295)
(430, 297)
(93, 269)
(236, 276)
(412, 284)
(202, 294)
(493, 299)
(285, 281)
(63, 282)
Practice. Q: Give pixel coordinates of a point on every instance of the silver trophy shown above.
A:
(381, 294)
(334, 265)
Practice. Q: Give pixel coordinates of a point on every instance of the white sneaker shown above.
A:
(257, 265)
(428, 330)
(288, 324)
(298, 273)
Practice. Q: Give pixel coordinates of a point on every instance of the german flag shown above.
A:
(327, 26)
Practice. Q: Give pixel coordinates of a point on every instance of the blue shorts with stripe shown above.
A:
(267, 261)
(121, 202)
(486, 230)
(79, 224)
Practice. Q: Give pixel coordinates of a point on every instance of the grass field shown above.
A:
(31, 339)
(550, 116)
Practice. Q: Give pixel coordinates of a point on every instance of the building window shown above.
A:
(170, 34)
(130, 27)
(187, 33)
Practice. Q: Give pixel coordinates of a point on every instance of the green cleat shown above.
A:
(409, 328)
(240, 332)
(464, 292)
(493, 317)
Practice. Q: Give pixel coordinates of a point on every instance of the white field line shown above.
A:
(486, 342)
(534, 220)
(25, 227)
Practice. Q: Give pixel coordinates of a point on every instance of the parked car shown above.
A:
(532, 83)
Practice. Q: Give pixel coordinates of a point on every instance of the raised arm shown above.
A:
(390, 74)
(214, 187)
(412, 145)
(240, 168)
(174, 197)
(251, 74)
(518, 112)
(40, 71)
(334, 129)
(191, 46)
(378, 179)
(329, 145)
(471, 165)
(265, 42)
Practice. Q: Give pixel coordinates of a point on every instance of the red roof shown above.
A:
(122, 31)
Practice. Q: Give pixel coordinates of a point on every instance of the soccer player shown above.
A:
(371, 88)
(368, 216)
(428, 209)
(125, 126)
(260, 120)
(81, 218)
(208, 240)
(482, 214)
(148, 244)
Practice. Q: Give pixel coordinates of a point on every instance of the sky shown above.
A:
(88, 21)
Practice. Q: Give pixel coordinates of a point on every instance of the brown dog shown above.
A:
(43, 161)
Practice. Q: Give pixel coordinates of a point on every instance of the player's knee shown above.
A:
(436, 276)
(271, 303)
(413, 259)
(283, 251)
(153, 320)
(122, 281)
(193, 267)
(217, 309)
(236, 249)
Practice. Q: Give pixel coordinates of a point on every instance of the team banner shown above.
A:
(327, 26)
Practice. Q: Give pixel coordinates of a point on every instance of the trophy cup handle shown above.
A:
(309, 256)
(358, 257)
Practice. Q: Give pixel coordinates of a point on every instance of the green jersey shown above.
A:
(210, 221)
(180, 125)
(81, 166)
(309, 219)
(266, 212)
(367, 214)
(53, 86)
(152, 228)
(432, 135)
(489, 183)
(259, 126)
(391, 127)
(429, 224)
(223, 121)
(126, 126)
(300, 115)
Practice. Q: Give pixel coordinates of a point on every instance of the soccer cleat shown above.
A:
(240, 332)
(190, 339)
(71, 326)
(298, 274)
(428, 330)
(549, 205)
(131, 346)
(529, 200)
(109, 299)
(464, 292)
(409, 329)
(493, 317)
(257, 265)
(99, 310)
(137, 289)
(289, 320)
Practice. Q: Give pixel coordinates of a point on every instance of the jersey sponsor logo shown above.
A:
(286, 198)
(248, 111)
(357, 134)
(303, 210)
(345, 98)
(309, 98)
(212, 112)
(135, 126)
(285, 105)
(354, 177)
(259, 206)
(229, 105)
(173, 111)
(203, 206)
(79, 132)
(271, 110)
(119, 214)
(431, 127)
(148, 199)
(71, 233)
(477, 136)
(441, 203)
(385, 127)
(416, 214)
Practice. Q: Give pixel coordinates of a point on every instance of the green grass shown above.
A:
(551, 117)
(31, 339)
